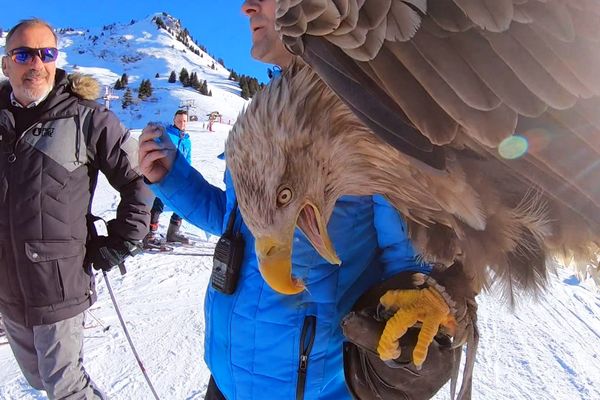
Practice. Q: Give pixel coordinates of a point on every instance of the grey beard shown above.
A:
(33, 96)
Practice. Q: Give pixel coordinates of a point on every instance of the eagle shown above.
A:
(476, 119)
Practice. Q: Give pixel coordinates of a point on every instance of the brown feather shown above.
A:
(529, 71)
(498, 123)
(419, 107)
(491, 15)
(582, 58)
(402, 22)
(587, 24)
(546, 58)
(455, 72)
(497, 74)
(553, 16)
(448, 16)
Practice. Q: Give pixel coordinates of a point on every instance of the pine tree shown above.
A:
(245, 91)
(142, 90)
(172, 77)
(157, 75)
(210, 93)
(184, 77)
(212, 65)
(124, 79)
(204, 88)
(193, 80)
(118, 84)
(127, 99)
(145, 89)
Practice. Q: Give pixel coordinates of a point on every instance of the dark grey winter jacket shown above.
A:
(47, 178)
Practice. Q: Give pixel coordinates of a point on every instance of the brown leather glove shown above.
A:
(442, 300)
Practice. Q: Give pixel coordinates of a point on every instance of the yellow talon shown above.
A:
(413, 305)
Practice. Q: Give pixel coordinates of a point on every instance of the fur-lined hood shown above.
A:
(83, 86)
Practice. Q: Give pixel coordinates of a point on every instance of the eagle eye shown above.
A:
(284, 196)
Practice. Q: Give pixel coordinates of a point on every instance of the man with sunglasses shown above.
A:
(54, 140)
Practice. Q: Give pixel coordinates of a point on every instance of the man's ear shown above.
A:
(4, 67)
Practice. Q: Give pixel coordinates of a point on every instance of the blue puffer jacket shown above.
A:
(181, 140)
(255, 338)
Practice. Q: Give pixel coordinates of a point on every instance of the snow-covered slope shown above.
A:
(142, 50)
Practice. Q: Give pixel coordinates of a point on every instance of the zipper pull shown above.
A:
(303, 362)
(12, 158)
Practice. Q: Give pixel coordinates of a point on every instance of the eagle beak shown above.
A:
(275, 265)
(311, 223)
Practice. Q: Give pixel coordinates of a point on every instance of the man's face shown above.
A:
(180, 121)
(33, 80)
(266, 44)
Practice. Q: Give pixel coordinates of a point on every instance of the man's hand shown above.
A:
(156, 153)
(105, 252)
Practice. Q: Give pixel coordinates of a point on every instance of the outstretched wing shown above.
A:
(513, 79)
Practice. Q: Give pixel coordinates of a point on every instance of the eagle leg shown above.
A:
(427, 306)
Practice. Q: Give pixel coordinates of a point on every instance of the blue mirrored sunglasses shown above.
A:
(25, 55)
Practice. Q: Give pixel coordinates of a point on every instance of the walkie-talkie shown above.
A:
(227, 260)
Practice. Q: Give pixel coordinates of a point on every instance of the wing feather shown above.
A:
(491, 15)
(447, 82)
(498, 123)
(453, 69)
(556, 67)
(502, 80)
(553, 17)
(529, 71)
(448, 16)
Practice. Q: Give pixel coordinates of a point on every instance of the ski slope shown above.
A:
(547, 350)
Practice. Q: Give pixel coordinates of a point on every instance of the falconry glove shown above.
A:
(406, 335)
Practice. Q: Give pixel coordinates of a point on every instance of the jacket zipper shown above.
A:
(307, 339)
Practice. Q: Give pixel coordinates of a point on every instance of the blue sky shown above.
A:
(217, 24)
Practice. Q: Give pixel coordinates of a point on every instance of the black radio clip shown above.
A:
(227, 260)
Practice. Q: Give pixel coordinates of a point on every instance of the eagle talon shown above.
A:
(411, 306)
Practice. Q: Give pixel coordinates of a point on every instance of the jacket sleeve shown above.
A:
(116, 156)
(397, 254)
(187, 146)
(187, 193)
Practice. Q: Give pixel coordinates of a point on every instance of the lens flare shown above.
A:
(513, 147)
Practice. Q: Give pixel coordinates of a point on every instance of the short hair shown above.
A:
(180, 112)
(26, 23)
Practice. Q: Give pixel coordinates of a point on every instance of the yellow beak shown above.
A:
(275, 265)
(311, 223)
(275, 256)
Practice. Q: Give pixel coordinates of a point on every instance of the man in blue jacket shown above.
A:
(181, 139)
(260, 344)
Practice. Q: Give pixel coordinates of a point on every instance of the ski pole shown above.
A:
(137, 357)
(91, 219)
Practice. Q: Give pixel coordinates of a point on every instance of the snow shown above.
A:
(546, 349)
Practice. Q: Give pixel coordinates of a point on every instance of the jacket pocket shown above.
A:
(307, 339)
(54, 271)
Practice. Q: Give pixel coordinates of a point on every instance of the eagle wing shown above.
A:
(514, 80)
